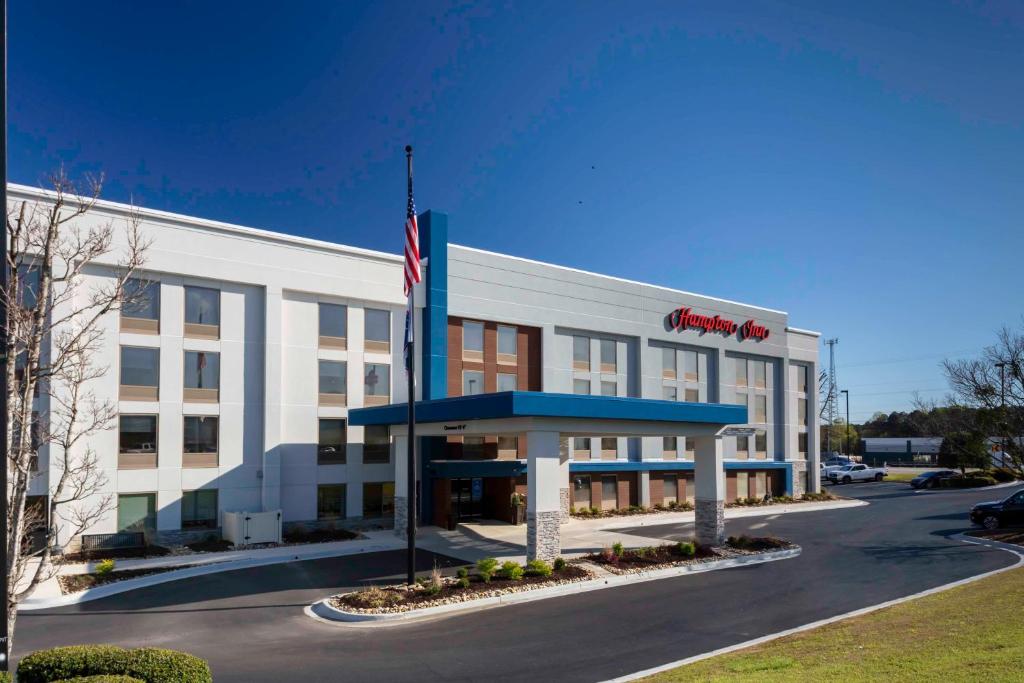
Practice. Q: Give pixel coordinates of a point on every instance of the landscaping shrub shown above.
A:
(971, 481)
(539, 568)
(607, 554)
(5, 677)
(595, 512)
(756, 543)
(99, 678)
(559, 564)
(512, 571)
(1002, 475)
(109, 663)
(105, 567)
(155, 665)
(618, 549)
(58, 663)
(824, 495)
(463, 582)
(686, 549)
(486, 567)
(462, 573)
(374, 598)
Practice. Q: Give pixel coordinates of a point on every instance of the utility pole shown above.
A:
(830, 400)
(849, 452)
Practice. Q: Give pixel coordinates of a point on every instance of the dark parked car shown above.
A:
(931, 480)
(997, 513)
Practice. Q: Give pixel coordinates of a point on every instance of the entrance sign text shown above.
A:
(684, 318)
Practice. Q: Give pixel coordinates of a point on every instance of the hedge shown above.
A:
(150, 665)
(102, 678)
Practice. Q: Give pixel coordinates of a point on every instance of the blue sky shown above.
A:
(855, 164)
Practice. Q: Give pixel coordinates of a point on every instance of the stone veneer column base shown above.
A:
(401, 516)
(799, 478)
(563, 499)
(710, 521)
(543, 535)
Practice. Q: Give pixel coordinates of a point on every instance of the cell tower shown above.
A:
(831, 408)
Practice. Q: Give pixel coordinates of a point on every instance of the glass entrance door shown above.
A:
(467, 498)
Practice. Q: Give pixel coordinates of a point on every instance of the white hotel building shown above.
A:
(235, 375)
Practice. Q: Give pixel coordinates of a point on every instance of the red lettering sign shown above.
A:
(684, 318)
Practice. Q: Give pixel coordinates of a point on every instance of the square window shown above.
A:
(670, 444)
(690, 366)
(330, 501)
(668, 363)
(761, 442)
(473, 448)
(608, 362)
(608, 388)
(742, 447)
(581, 353)
(377, 326)
(378, 499)
(201, 433)
(693, 396)
(741, 372)
(801, 409)
(377, 445)
(140, 366)
(669, 394)
(202, 306)
(506, 381)
(472, 382)
(609, 446)
(331, 444)
(581, 387)
(142, 299)
(507, 340)
(202, 370)
(801, 443)
(199, 509)
(508, 443)
(760, 374)
(136, 512)
(801, 378)
(581, 443)
(333, 320)
(377, 380)
(138, 434)
(760, 409)
(333, 377)
(472, 336)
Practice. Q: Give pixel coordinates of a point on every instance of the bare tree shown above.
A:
(53, 333)
(993, 385)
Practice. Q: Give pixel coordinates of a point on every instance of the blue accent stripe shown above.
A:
(510, 404)
(434, 348)
(453, 469)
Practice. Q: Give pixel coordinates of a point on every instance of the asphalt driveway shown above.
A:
(250, 625)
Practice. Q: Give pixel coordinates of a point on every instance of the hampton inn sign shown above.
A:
(683, 319)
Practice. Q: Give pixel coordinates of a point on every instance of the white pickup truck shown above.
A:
(857, 472)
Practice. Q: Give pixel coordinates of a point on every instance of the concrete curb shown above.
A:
(657, 519)
(1015, 549)
(324, 611)
(1004, 485)
(32, 604)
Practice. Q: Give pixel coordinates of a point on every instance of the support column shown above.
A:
(644, 482)
(400, 458)
(564, 482)
(709, 482)
(543, 497)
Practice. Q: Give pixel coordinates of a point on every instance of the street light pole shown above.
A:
(848, 451)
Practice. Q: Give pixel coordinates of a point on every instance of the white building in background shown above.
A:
(235, 372)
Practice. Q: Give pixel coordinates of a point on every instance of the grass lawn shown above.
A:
(970, 633)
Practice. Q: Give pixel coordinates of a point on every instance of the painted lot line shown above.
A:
(1016, 550)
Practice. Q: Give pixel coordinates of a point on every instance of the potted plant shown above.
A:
(518, 508)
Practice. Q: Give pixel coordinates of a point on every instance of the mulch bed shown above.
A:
(668, 555)
(1015, 536)
(392, 599)
(320, 536)
(218, 545)
(119, 554)
(73, 583)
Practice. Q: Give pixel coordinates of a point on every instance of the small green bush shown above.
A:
(486, 567)
(463, 582)
(5, 677)
(540, 567)
(595, 512)
(105, 567)
(559, 564)
(155, 665)
(1002, 475)
(99, 678)
(686, 549)
(618, 549)
(374, 598)
(150, 665)
(462, 572)
(512, 571)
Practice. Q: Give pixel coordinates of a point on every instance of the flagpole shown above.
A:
(410, 521)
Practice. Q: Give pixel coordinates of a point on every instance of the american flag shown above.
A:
(412, 245)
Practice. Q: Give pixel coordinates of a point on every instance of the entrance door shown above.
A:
(467, 498)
